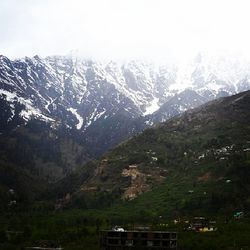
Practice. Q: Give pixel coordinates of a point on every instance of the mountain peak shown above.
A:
(84, 94)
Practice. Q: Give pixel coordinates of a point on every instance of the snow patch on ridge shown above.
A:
(9, 96)
(78, 117)
(154, 106)
(29, 110)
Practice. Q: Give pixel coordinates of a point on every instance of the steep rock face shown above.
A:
(108, 102)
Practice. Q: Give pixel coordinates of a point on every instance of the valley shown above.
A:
(65, 177)
(124, 125)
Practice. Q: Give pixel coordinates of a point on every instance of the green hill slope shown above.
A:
(199, 161)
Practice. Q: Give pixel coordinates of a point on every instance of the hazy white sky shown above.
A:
(156, 29)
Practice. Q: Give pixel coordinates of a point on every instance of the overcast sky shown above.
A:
(154, 29)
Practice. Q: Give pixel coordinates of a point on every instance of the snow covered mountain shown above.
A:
(106, 102)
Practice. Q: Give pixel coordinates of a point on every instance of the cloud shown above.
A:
(158, 29)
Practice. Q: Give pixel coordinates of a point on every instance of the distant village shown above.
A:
(159, 237)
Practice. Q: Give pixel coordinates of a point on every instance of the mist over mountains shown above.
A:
(86, 90)
(80, 93)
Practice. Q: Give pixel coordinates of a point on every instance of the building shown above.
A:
(201, 224)
(155, 240)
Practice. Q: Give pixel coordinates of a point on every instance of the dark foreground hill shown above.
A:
(199, 161)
